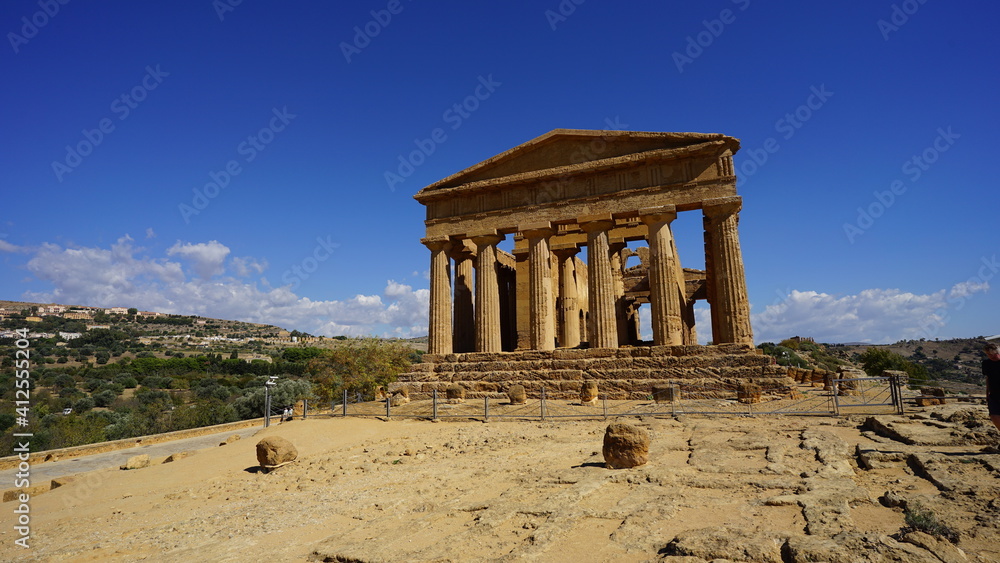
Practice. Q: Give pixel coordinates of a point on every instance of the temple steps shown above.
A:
(622, 373)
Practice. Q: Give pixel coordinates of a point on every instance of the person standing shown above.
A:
(991, 370)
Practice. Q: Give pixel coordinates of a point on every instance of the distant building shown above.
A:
(117, 311)
(802, 339)
(69, 335)
(150, 314)
(78, 314)
(51, 309)
(33, 319)
(95, 327)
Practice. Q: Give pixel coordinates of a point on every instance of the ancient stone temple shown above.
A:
(556, 196)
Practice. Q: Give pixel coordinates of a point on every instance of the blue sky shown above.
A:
(866, 126)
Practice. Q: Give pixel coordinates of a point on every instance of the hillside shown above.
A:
(106, 374)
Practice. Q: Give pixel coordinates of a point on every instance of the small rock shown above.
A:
(892, 499)
(517, 395)
(137, 462)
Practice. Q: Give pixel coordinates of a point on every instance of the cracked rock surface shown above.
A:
(783, 489)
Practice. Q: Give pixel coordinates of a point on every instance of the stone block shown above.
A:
(625, 446)
(517, 395)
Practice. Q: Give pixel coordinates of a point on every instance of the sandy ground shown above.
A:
(735, 488)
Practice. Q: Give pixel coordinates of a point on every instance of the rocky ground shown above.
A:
(779, 488)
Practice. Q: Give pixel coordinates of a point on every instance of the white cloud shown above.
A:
(207, 257)
(872, 315)
(150, 233)
(125, 275)
(8, 247)
(245, 266)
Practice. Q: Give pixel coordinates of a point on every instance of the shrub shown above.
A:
(921, 519)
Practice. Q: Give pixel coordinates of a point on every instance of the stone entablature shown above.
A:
(564, 191)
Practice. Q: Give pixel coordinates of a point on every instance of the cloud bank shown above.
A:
(203, 278)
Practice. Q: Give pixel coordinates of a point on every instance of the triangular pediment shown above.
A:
(562, 148)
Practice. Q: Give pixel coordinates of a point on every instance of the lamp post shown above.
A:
(271, 380)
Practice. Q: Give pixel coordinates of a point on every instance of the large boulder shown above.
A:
(275, 450)
(625, 445)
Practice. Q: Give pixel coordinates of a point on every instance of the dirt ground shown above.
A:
(778, 488)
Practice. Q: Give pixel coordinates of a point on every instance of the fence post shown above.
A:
(388, 404)
(897, 386)
(486, 408)
(305, 408)
(434, 402)
(345, 403)
(836, 397)
(542, 408)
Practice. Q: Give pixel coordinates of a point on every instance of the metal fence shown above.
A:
(869, 395)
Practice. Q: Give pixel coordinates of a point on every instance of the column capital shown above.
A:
(436, 243)
(565, 250)
(462, 249)
(542, 229)
(722, 206)
(596, 223)
(488, 238)
(662, 214)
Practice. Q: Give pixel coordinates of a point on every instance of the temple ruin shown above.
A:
(541, 314)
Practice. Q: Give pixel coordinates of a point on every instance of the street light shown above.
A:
(271, 380)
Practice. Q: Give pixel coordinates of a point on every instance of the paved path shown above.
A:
(42, 472)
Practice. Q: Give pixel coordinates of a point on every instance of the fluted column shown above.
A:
(487, 294)
(728, 277)
(664, 301)
(439, 315)
(621, 310)
(540, 285)
(569, 308)
(464, 321)
(602, 328)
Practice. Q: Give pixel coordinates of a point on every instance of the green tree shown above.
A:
(876, 360)
(359, 365)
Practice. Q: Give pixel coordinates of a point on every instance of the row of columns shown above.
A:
(724, 268)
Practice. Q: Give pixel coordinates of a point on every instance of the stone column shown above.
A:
(569, 308)
(602, 328)
(439, 329)
(664, 301)
(728, 279)
(541, 323)
(487, 293)
(621, 309)
(464, 336)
